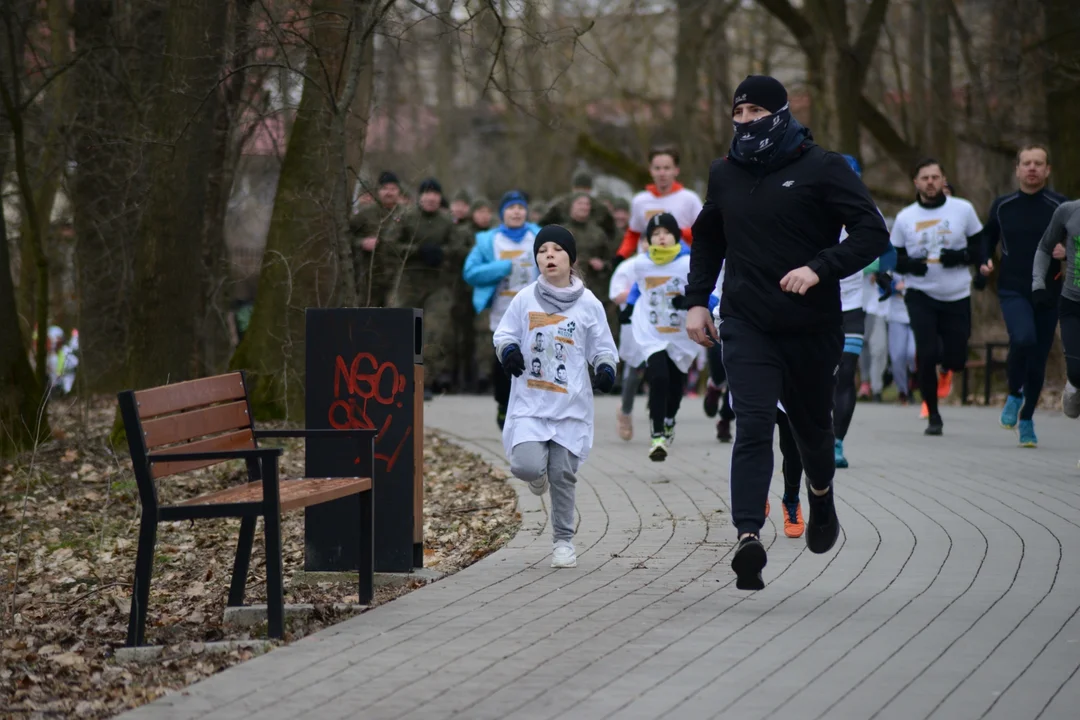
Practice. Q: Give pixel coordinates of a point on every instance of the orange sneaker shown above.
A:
(767, 508)
(793, 520)
(944, 384)
(925, 412)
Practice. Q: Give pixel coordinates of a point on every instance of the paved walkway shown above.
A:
(953, 593)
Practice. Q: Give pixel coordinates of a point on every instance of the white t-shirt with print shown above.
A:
(656, 325)
(523, 272)
(621, 281)
(684, 204)
(851, 287)
(925, 232)
(553, 399)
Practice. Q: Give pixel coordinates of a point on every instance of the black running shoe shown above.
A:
(723, 430)
(712, 400)
(934, 426)
(823, 527)
(747, 562)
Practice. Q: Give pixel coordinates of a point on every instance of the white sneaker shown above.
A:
(1070, 401)
(624, 424)
(539, 486)
(563, 555)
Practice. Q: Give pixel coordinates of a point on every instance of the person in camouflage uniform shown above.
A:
(372, 228)
(465, 330)
(417, 254)
(558, 213)
(459, 207)
(595, 248)
(620, 211)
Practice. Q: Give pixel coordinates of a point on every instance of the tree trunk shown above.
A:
(941, 88)
(1063, 92)
(917, 73)
(684, 127)
(168, 268)
(214, 336)
(444, 91)
(305, 260)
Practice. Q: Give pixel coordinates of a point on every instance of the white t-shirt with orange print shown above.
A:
(684, 204)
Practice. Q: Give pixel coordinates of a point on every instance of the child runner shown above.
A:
(658, 324)
(622, 280)
(498, 268)
(549, 422)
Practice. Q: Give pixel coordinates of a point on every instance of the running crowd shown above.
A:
(772, 284)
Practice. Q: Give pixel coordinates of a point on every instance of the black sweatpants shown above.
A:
(791, 462)
(800, 371)
(941, 330)
(844, 401)
(1069, 317)
(666, 386)
(500, 381)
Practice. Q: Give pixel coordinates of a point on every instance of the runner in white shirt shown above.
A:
(664, 195)
(931, 237)
(622, 280)
(657, 316)
(550, 334)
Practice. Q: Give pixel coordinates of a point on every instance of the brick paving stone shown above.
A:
(953, 592)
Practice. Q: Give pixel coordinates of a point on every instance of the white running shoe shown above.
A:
(1070, 401)
(539, 486)
(563, 555)
(624, 424)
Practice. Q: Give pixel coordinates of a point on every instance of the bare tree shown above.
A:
(1062, 18)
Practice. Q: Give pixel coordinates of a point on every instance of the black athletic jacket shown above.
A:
(1018, 221)
(767, 222)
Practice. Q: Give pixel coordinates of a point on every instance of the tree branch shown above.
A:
(795, 22)
(886, 135)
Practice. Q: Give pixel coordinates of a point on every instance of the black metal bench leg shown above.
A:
(964, 387)
(367, 547)
(988, 373)
(140, 591)
(242, 561)
(275, 594)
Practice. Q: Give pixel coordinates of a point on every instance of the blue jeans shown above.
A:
(1031, 335)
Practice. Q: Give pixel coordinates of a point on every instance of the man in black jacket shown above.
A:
(774, 211)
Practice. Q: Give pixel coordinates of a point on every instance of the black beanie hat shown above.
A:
(560, 236)
(429, 185)
(388, 178)
(761, 90)
(664, 220)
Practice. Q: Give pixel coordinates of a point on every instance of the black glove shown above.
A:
(955, 258)
(679, 302)
(625, 315)
(884, 282)
(513, 361)
(909, 266)
(1042, 298)
(430, 254)
(979, 283)
(603, 379)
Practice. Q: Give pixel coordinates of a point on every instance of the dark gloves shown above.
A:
(603, 379)
(955, 258)
(909, 266)
(979, 283)
(1042, 298)
(884, 282)
(430, 254)
(513, 361)
(679, 302)
(625, 315)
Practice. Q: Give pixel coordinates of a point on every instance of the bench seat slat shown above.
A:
(190, 394)
(195, 424)
(295, 494)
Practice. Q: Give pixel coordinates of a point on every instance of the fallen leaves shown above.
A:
(68, 614)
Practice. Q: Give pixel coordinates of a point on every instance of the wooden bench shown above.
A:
(177, 428)
(987, 365)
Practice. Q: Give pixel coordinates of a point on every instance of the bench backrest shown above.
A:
(194, 416)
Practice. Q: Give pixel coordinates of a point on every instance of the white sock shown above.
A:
(1069, 387)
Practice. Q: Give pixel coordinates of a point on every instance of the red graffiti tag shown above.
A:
(367, 380)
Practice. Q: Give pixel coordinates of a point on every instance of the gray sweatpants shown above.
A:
(875, 353)
(530, 460)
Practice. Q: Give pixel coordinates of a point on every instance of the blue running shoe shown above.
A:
(1027, 434)
(841, 461)
(1011, 412)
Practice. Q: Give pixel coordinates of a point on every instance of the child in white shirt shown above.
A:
(549, 420)
(656, 313)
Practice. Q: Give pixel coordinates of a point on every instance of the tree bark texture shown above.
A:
(1062, 19)
(168, 265)
(306, 262)
(685, 124)
(942, 116)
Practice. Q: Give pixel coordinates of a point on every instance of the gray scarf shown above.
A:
(554, 299)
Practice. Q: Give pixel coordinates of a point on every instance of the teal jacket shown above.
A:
(484, 272)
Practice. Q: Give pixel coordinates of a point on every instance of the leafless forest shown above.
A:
(163, 160)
